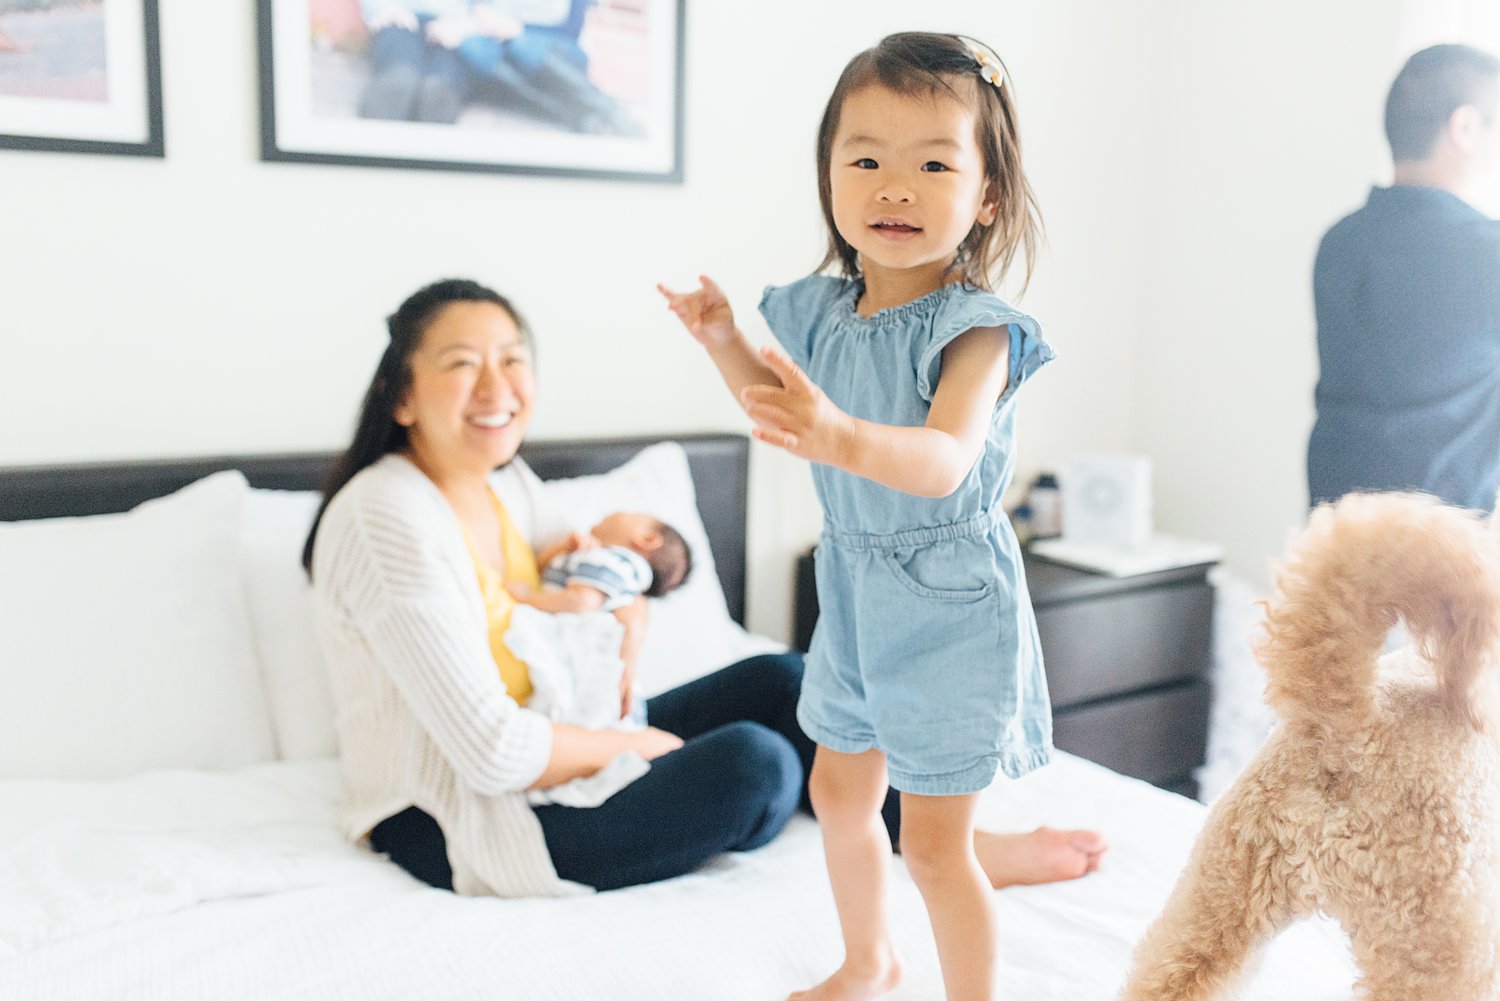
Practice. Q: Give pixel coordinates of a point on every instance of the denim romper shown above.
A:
(926, 644)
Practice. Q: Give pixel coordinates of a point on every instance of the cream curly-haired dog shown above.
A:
(1377, 798)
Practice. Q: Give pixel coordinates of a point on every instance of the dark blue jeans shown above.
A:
(738, 778)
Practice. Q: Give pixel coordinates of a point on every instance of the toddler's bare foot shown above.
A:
(849, 984)
(1046, 855)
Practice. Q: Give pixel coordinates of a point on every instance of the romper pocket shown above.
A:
(945, 572)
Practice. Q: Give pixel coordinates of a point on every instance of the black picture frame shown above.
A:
(640, 141)
(126, 121)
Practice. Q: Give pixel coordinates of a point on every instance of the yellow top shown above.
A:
(520, 565)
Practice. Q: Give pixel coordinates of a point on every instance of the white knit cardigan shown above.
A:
(421, 714)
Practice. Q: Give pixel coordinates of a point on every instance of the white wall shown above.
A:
(1270, 131)
(210, 303)
(1187, 157)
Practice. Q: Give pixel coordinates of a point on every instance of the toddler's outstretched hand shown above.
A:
(797, 415)
(705, 312)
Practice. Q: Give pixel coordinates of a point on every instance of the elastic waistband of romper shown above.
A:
(968, 528)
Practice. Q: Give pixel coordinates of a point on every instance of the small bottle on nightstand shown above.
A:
(1020, 522)
(1045, 501)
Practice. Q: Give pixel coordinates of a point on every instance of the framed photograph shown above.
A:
(589, 88)
(81, 76)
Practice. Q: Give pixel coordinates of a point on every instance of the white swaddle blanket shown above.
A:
(575, 668)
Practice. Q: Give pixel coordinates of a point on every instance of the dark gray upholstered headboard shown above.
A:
(719, 462)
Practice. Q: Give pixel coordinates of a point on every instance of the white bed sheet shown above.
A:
(200, 885)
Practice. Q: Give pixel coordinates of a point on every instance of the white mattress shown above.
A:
(236, 885)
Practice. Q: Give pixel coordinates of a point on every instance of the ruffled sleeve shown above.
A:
(966, 309)
(793, 312)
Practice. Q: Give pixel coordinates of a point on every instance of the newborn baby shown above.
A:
(574, 656)
(625, 555)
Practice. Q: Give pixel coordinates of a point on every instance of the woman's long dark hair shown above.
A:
(377, 433)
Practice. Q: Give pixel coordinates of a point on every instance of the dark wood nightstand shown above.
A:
(1127, 664)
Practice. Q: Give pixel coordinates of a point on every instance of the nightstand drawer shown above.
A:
(1154, 736)
(1110, 645)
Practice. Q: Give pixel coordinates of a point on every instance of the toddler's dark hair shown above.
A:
(920, 63)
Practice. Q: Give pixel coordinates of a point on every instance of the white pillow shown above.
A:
(126, 642)
(690, 631)
(280, 600)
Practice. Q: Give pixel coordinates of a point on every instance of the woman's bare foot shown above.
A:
(848, 984)
(1046, 855)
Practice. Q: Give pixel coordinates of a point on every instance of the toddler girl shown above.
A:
(925, 672)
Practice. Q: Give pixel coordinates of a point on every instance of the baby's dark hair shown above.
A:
(671, 562)
(920, 63)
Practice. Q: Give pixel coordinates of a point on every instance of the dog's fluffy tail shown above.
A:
(1362, 564)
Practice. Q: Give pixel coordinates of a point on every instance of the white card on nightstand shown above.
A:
(1161, 552)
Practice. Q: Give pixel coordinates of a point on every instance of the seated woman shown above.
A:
(410, 556)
